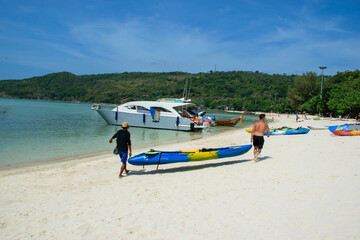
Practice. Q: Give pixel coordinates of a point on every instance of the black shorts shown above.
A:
(258, 141)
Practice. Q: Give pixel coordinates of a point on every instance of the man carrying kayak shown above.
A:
(123, 144)
(257, 135)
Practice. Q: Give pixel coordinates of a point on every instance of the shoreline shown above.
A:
(274, 122)
(81, 158)
(304, 187)
(104, 153)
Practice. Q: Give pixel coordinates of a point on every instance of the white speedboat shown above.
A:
(153, 114)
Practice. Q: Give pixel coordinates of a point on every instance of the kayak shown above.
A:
(164, 157)
(285, 131)
(345, 130)
(318, 127)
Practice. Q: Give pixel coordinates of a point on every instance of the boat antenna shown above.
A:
(188, 96)
(186, 93)
(185, 89)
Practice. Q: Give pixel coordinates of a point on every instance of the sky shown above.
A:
(39, 37)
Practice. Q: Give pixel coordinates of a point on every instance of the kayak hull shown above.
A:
(347, 133)
(164, 157)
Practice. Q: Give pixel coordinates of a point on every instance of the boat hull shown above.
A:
(160, 157)
(345, 130)
(145, 120)
(227, 121)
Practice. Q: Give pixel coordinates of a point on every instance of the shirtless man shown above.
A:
(257, 135)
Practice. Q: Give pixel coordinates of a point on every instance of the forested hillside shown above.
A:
(238, 89)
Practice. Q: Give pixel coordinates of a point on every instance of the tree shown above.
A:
(343, 93)
(305, 87)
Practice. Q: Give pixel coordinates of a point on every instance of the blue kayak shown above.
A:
(288, 131)
(285, 131)
(154, 157)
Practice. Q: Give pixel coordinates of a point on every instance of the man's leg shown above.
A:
(123, 166)
(257, 151)
(123, 157)
(126, 171)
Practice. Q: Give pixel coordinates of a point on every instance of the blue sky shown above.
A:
(38, 37)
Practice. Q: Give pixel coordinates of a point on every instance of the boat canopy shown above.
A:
(178, 108)
(174, 100)
(162, 106)
(149, 104)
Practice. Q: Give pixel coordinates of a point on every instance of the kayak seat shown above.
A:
(205, 149)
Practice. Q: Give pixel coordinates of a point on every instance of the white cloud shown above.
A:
(158, 45)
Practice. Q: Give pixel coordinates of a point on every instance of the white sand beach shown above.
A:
(304, 187)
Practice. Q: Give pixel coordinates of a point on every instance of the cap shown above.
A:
(125, 124)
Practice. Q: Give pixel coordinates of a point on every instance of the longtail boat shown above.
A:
(228, 121)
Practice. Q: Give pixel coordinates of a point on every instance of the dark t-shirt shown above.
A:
(122, 140)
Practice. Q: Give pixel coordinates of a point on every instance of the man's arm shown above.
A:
(113, 137)
(253, 131)
(129, 143)
(268, 130)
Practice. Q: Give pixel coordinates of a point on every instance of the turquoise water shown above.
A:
(34, 131)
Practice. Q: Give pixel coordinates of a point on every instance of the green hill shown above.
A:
(239, 90)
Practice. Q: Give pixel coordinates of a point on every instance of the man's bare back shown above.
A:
(259, 128)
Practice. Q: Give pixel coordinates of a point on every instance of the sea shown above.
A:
(35, 131)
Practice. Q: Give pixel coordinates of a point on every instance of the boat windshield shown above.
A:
(131, 107)
(184, 112)
(161, 109)
(141, 108)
